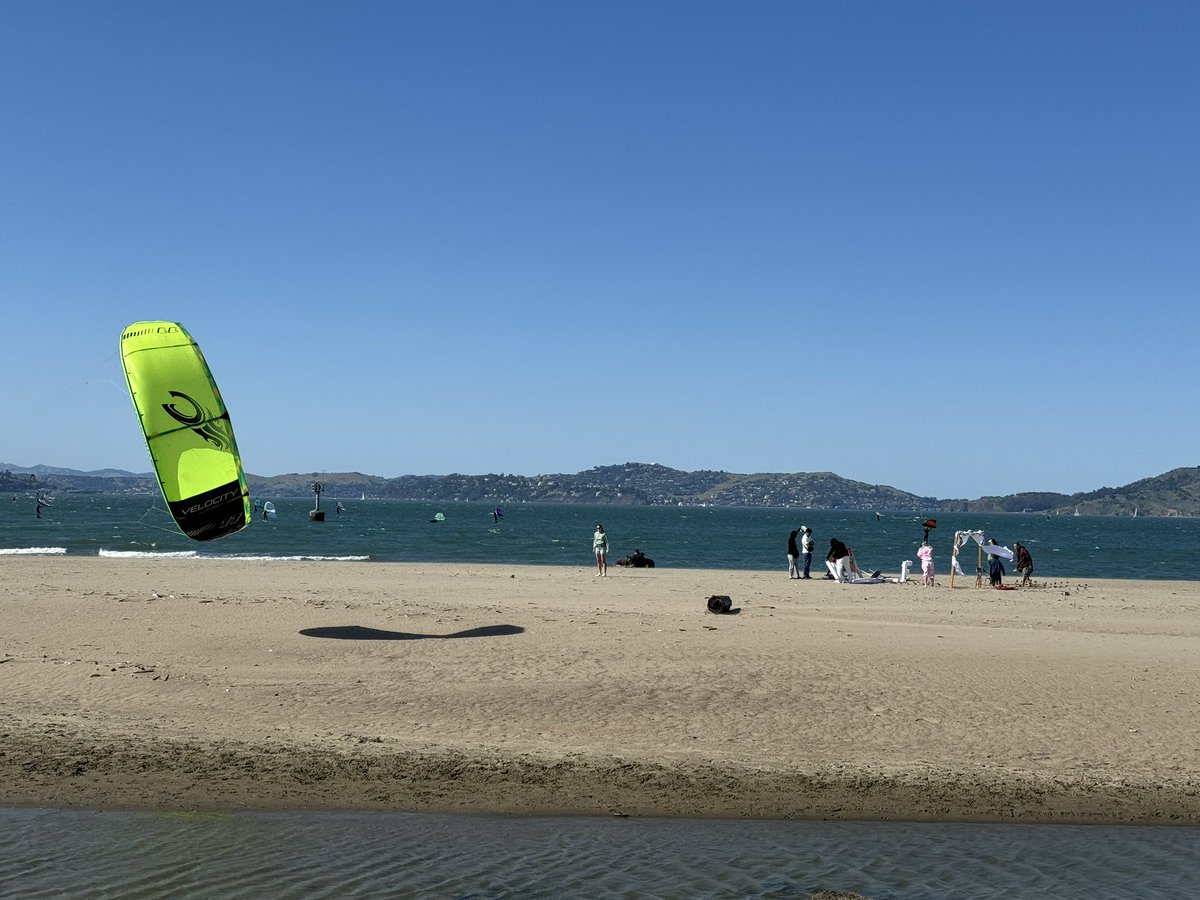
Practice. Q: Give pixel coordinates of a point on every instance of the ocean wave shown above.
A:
(32, 551)
(261, 558)
(148, 554)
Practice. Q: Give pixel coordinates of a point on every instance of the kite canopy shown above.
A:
(187, 430)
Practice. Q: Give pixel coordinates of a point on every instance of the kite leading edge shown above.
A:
(187, 430)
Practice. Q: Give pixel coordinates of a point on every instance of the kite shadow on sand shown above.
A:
(363, 633)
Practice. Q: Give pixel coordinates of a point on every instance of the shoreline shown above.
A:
(533, 690)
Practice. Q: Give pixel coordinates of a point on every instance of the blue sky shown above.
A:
(947, 246)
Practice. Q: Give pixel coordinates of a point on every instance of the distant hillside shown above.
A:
(1176, 493)
(32, 479)
(338, 485)
(50, 471)
(638, 484)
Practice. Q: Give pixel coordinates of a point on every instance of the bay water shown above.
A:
(71, 853)
(1063, 547)
(57, 853)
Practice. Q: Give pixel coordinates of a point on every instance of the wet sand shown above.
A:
(230, 684)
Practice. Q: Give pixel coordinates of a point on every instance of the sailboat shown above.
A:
(1135, 512)
(364, 496)
(1077, 510)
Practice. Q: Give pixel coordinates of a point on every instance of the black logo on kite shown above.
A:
(211, 430)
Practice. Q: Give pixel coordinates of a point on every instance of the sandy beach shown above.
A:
(232, 684)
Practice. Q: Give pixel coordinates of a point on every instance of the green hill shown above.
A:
(1175, 493)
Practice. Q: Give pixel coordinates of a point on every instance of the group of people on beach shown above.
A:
(1021, 558)
(800, 554)
(840, 558)
(844, 568)
(635, 560)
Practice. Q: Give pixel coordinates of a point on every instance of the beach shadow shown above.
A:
(363, 633)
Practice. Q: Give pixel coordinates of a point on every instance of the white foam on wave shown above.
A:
(32, 551)
(192, 554)
(252, 558)
(148, 554)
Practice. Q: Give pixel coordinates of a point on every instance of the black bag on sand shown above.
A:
(719, 603)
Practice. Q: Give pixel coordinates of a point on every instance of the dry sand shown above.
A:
(220, 684)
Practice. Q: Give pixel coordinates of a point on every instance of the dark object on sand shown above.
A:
(637, 560)
(719, 603)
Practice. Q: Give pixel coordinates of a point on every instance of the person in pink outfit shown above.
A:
(925, 554)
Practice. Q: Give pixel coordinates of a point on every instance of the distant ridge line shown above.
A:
(1174, 493)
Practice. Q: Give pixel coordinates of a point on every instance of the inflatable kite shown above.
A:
(187, 430)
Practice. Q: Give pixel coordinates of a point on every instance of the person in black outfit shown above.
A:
(1024, 564)
(793, 556)
(835, 559)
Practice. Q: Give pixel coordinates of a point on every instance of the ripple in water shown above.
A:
(50, 853)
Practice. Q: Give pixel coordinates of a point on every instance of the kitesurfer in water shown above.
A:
(338, 509)
(600, 548)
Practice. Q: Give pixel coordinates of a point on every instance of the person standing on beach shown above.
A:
(1024, 564)
(600, 548)
(793, 556)
(806, 548)
(925, 555)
